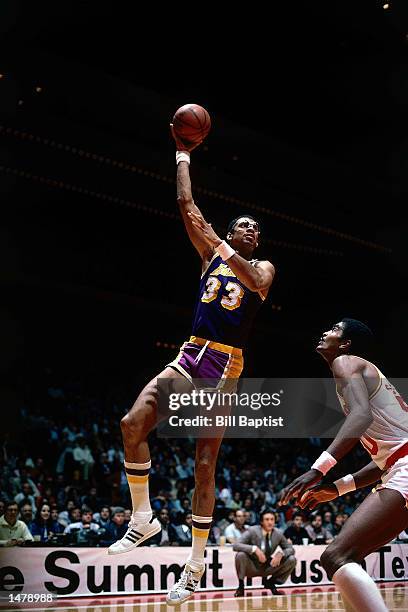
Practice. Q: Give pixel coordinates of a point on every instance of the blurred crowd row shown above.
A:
(63, 477)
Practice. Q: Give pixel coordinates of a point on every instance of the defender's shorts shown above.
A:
(215, 362)
(396, 478)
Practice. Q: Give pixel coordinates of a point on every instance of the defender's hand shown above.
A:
(205, 229)
(299, 486)
(182, 144)
(318, 495)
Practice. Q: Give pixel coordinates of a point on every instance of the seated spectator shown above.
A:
(224, 493)
(338, 525)
(226, 518)
(43, 526)
(235, 530)
(167, 535)
(92, 500)
(86, 522)
(317, 533)
(116, 528)
(12, 531)
(179, 508)
(296, 533)
(183, 532)
(328, 520)
(26, 495)
(236, 503)
(26, 513)
(83, 456)
(251, 518)
(103, 518)
(55, 517)
(64, 515)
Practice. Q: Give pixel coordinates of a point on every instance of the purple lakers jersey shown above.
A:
(225, 308)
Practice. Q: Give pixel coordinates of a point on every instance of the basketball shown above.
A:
(191, 123)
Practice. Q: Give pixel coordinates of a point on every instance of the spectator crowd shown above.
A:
(62, 480)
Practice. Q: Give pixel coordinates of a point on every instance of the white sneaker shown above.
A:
(185, 587)
(135, 535)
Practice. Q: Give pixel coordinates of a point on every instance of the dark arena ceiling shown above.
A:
(309, 133)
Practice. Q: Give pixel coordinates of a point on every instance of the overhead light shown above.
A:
(386, 6)
(38, 89)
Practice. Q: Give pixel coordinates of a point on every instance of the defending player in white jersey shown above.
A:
(377, 416)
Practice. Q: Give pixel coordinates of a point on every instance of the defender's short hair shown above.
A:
(361, 336)
(233, 223)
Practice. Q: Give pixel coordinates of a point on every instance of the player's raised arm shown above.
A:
(188, 133)
(186, 206)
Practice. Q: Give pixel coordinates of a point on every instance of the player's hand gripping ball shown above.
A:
(190, 125)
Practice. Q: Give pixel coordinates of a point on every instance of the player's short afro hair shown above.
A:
(232, 223)
(361, 336)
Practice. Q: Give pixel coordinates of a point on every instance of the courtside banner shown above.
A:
(91, 571)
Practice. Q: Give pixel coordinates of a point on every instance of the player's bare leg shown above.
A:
(203, 507)
(381, 516)
(141, 419)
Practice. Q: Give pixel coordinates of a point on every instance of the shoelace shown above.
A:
(132, 524)
(182, 583)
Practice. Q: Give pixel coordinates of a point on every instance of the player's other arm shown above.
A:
(347, 372)
(368, 475)
(186, 206)
(255, 278)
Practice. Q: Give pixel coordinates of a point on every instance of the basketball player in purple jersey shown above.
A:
(232, 288)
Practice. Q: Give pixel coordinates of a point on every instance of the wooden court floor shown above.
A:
(305, 599)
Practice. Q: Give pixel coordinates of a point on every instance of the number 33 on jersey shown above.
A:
(225, 308)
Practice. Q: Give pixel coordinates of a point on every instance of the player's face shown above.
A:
(245, 232)
(332, 340)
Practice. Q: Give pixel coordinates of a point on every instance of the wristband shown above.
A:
(324, 463)
(224, 250)
(182, 156)
(345, 485)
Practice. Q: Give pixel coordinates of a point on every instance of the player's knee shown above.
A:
(132, 425)
(333, 558)
(204, 471)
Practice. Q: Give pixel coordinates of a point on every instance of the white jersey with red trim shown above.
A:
(389, 430)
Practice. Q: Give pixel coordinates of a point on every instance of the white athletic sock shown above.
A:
(359, 589)
(138, 479)
(201, 529)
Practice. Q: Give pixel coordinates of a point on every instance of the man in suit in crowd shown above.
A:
(256, 555)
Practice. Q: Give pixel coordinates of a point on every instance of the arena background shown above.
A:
(308, 103)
